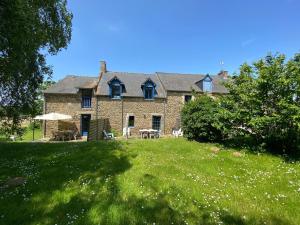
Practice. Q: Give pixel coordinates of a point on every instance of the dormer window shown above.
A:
(149, 89)
(207, 84)
(116, 91)
(115, 88)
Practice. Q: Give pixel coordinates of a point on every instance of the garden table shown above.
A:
(62, 135)
(148, 133)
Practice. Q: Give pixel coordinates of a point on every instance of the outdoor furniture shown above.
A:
(177, 133)
(108, 136)
(126, 131)
(54, 117)
(63, 135)
(13, 138)
(152, 134)
(75, 134)
(149, 133)
(157, 134)
(144, 133)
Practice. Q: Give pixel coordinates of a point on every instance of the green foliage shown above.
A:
(264, 101)
(35, 125)
(263, 104)
(38, 109)
(29, 30)
(200, 119)
(116, 133)
(6, 127)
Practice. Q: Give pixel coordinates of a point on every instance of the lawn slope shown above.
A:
(167, 181)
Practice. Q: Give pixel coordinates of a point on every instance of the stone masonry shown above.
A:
(112, 114)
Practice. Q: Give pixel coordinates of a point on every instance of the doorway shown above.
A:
(85, 124)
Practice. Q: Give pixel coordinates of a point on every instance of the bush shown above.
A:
(116, 133)
(201, 119)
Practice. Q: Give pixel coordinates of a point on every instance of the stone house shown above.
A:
(115, 100)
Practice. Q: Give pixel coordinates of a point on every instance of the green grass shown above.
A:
(167, 181)
(27, 136)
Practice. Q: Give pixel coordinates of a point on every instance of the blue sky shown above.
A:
(185, 36)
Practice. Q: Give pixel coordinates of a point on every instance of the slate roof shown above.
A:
(71, 84)
(188, 82)
(133, 82)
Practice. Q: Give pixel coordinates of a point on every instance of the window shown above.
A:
(131, 121)
(148, 89)
(187, 98)
(115, 88)
(116, 91)
(86, 101)
(156, 122)
(149, 92)
(207, 84)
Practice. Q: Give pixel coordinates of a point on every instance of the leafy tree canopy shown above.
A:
(28, 31)
(263, 103)
(264, 100)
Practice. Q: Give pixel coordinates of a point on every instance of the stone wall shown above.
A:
(111, 111)
(116, 112)
(143, 110)
(113, 114)
(175, 103)
(69, 104)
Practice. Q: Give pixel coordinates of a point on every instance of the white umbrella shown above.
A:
(53, 116)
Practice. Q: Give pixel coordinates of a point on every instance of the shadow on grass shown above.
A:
(253, 146)
(77, 183)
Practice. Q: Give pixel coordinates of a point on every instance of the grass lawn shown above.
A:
(167, 181)
(27, 136)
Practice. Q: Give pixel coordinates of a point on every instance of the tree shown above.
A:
(39, 103)
(28, 31)
(264, 102)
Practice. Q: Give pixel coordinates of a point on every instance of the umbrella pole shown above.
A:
(33, 129)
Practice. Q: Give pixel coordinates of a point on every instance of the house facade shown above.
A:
(113, 101)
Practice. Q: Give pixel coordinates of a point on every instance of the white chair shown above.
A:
(177, 133)
(126, 131)
(157, 134)
(180, 132)
(13, 138)
(108, 136)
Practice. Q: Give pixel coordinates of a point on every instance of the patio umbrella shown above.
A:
(51, 116)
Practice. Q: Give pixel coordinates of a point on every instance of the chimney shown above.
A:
(103, 67)
(223, 74)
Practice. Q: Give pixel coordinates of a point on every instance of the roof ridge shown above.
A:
(137, 73)
(174, 73)
(87, 76)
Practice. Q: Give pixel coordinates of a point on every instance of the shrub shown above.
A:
(201, 119)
